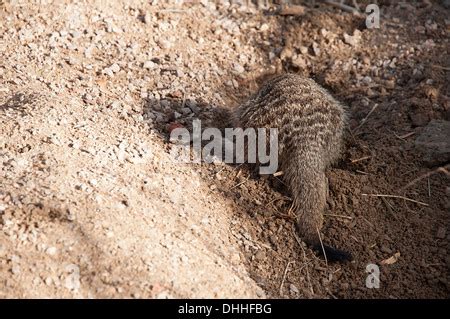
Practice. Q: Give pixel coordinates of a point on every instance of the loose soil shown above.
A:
(91, 204)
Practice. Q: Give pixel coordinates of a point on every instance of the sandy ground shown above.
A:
(92, 204)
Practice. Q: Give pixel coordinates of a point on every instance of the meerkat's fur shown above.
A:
(311, 125)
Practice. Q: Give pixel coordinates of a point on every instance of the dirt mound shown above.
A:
(92, 204)
(88, 211)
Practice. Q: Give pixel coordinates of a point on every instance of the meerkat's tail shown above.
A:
(308, 183)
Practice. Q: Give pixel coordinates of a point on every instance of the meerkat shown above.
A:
(311, 126)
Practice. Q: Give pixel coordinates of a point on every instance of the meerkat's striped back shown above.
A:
(311, 126)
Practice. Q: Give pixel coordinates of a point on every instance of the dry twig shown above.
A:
(360, 159)
(364, 120)
(442, 169)
(340, 216)
(323, 248)
(397, 196)
(284, 276)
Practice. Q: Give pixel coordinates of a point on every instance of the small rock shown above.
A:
(161, 295)
(177, 94)
(51, 251)
(75, 144)
(72, 280)
(15, 269)
(235, 258)
(260, 255)
(303, 50)
(299, 62)
(392, 64)
(149, 65)
(176, 115)
(441, 232)
(108, 72)
(147, 18)
(179, 73)
(260, 293)
(264, 27)
(165, 44)
(293, 289)
(316, 49)
(366, 80)
(238, 69)
(115, 68)
(48, 281)
(87, 98)
(352, 40)
(434, 142)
